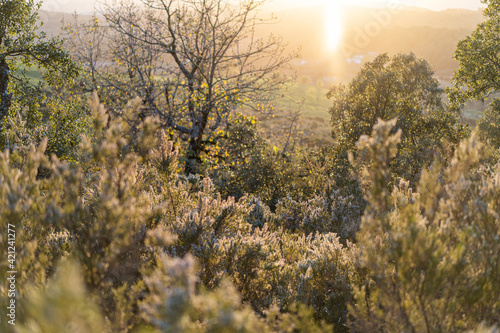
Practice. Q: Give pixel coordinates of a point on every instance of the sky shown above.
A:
(85, 6)
(430, 4)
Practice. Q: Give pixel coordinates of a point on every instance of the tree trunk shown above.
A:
(5, 97)
(193, 159)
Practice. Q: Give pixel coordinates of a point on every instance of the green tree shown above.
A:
(404, 87)
(489, 124)
(21, 46)
(478, 74)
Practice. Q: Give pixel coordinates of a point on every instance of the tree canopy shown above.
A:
(22, 45)
(401, 86)
(478, 75)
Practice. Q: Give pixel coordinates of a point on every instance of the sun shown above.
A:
(333, 24)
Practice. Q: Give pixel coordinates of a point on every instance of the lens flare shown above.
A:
(333, 24)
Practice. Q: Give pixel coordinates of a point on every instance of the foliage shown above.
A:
(397, 231)
(63, 123)
(477, 54)
(175, 306)
(20, 44)
(64, 306)
(67, 121)
(23, 208)
(243, 241)
(477, 76)
(160, 251)
(124, 207)
(297, 179)
(489, 124)
(192, 63)
(432, 256)
(249, 165)
(404, 87)
(328, 212)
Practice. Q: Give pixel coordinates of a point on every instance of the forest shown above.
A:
(153, 180)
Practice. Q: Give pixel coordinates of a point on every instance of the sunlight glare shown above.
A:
(333, 24)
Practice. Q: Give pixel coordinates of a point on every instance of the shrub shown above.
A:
(433, 256)
(489, 124)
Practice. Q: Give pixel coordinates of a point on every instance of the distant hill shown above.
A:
(419, 17)
(52, 21)
(431, 35)
(437, 45)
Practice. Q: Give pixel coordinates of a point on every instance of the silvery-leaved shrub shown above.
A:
(431, 256)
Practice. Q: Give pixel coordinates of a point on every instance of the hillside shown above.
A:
(161, 171)
(367, 31)
(52, 21)
(429, 34)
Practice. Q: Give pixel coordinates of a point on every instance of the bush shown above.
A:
(489, 124)
(122, 234)
(432, 257)
(146, 236)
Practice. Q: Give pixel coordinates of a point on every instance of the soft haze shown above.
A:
(88, 6)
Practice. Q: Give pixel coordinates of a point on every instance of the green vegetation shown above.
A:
(392, 225)
(477, 77)
(478, 59)
(430, 256)
(215, 64)
(401, 87)
(21, 45)
(489, 124)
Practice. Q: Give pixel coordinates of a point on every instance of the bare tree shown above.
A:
(192, 62)
(86, 46)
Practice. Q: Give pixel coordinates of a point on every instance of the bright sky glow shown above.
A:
(88, 5)
(333, 10)
(430, 4)
(333, 24)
